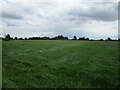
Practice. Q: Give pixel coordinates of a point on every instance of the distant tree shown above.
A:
(74, 38)
(25, 38)
(109, 39)
(21, 38)
(101, 39)
(45, 38)
(7, 37)
(59, 37)
(87, 38)
(82, 38)
(118, 39)
(15, 38)
(52, 38)
(11, 38)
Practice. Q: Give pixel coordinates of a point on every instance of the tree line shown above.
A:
(59, 37)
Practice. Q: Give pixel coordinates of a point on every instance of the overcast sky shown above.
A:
(28, 18)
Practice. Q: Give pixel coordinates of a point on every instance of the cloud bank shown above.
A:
(69, 18)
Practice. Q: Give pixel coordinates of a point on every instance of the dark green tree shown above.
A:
(21, 38)
(15, 38)
(87, 38)
(7, 37)
(74, 38)
(81, 38)
(25, 38)
(109, 39)
(101, 39)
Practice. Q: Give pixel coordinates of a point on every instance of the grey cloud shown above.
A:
(16, 10)
(11, 16)
(119, 11)
(28, 19)
(97, 12)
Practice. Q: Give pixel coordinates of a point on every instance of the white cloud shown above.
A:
(97, 20)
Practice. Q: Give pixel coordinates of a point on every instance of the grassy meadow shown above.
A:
(60, 64)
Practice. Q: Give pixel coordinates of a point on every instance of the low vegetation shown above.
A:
(60, 64)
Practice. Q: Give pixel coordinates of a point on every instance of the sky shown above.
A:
(37, 18)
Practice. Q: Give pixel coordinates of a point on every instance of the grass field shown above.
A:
(60, 64)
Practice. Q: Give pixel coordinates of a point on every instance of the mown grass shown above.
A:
(60, 64)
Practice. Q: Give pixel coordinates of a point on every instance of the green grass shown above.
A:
(60, 64)
(0, 63)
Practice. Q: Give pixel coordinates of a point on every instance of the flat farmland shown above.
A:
(59, 64)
